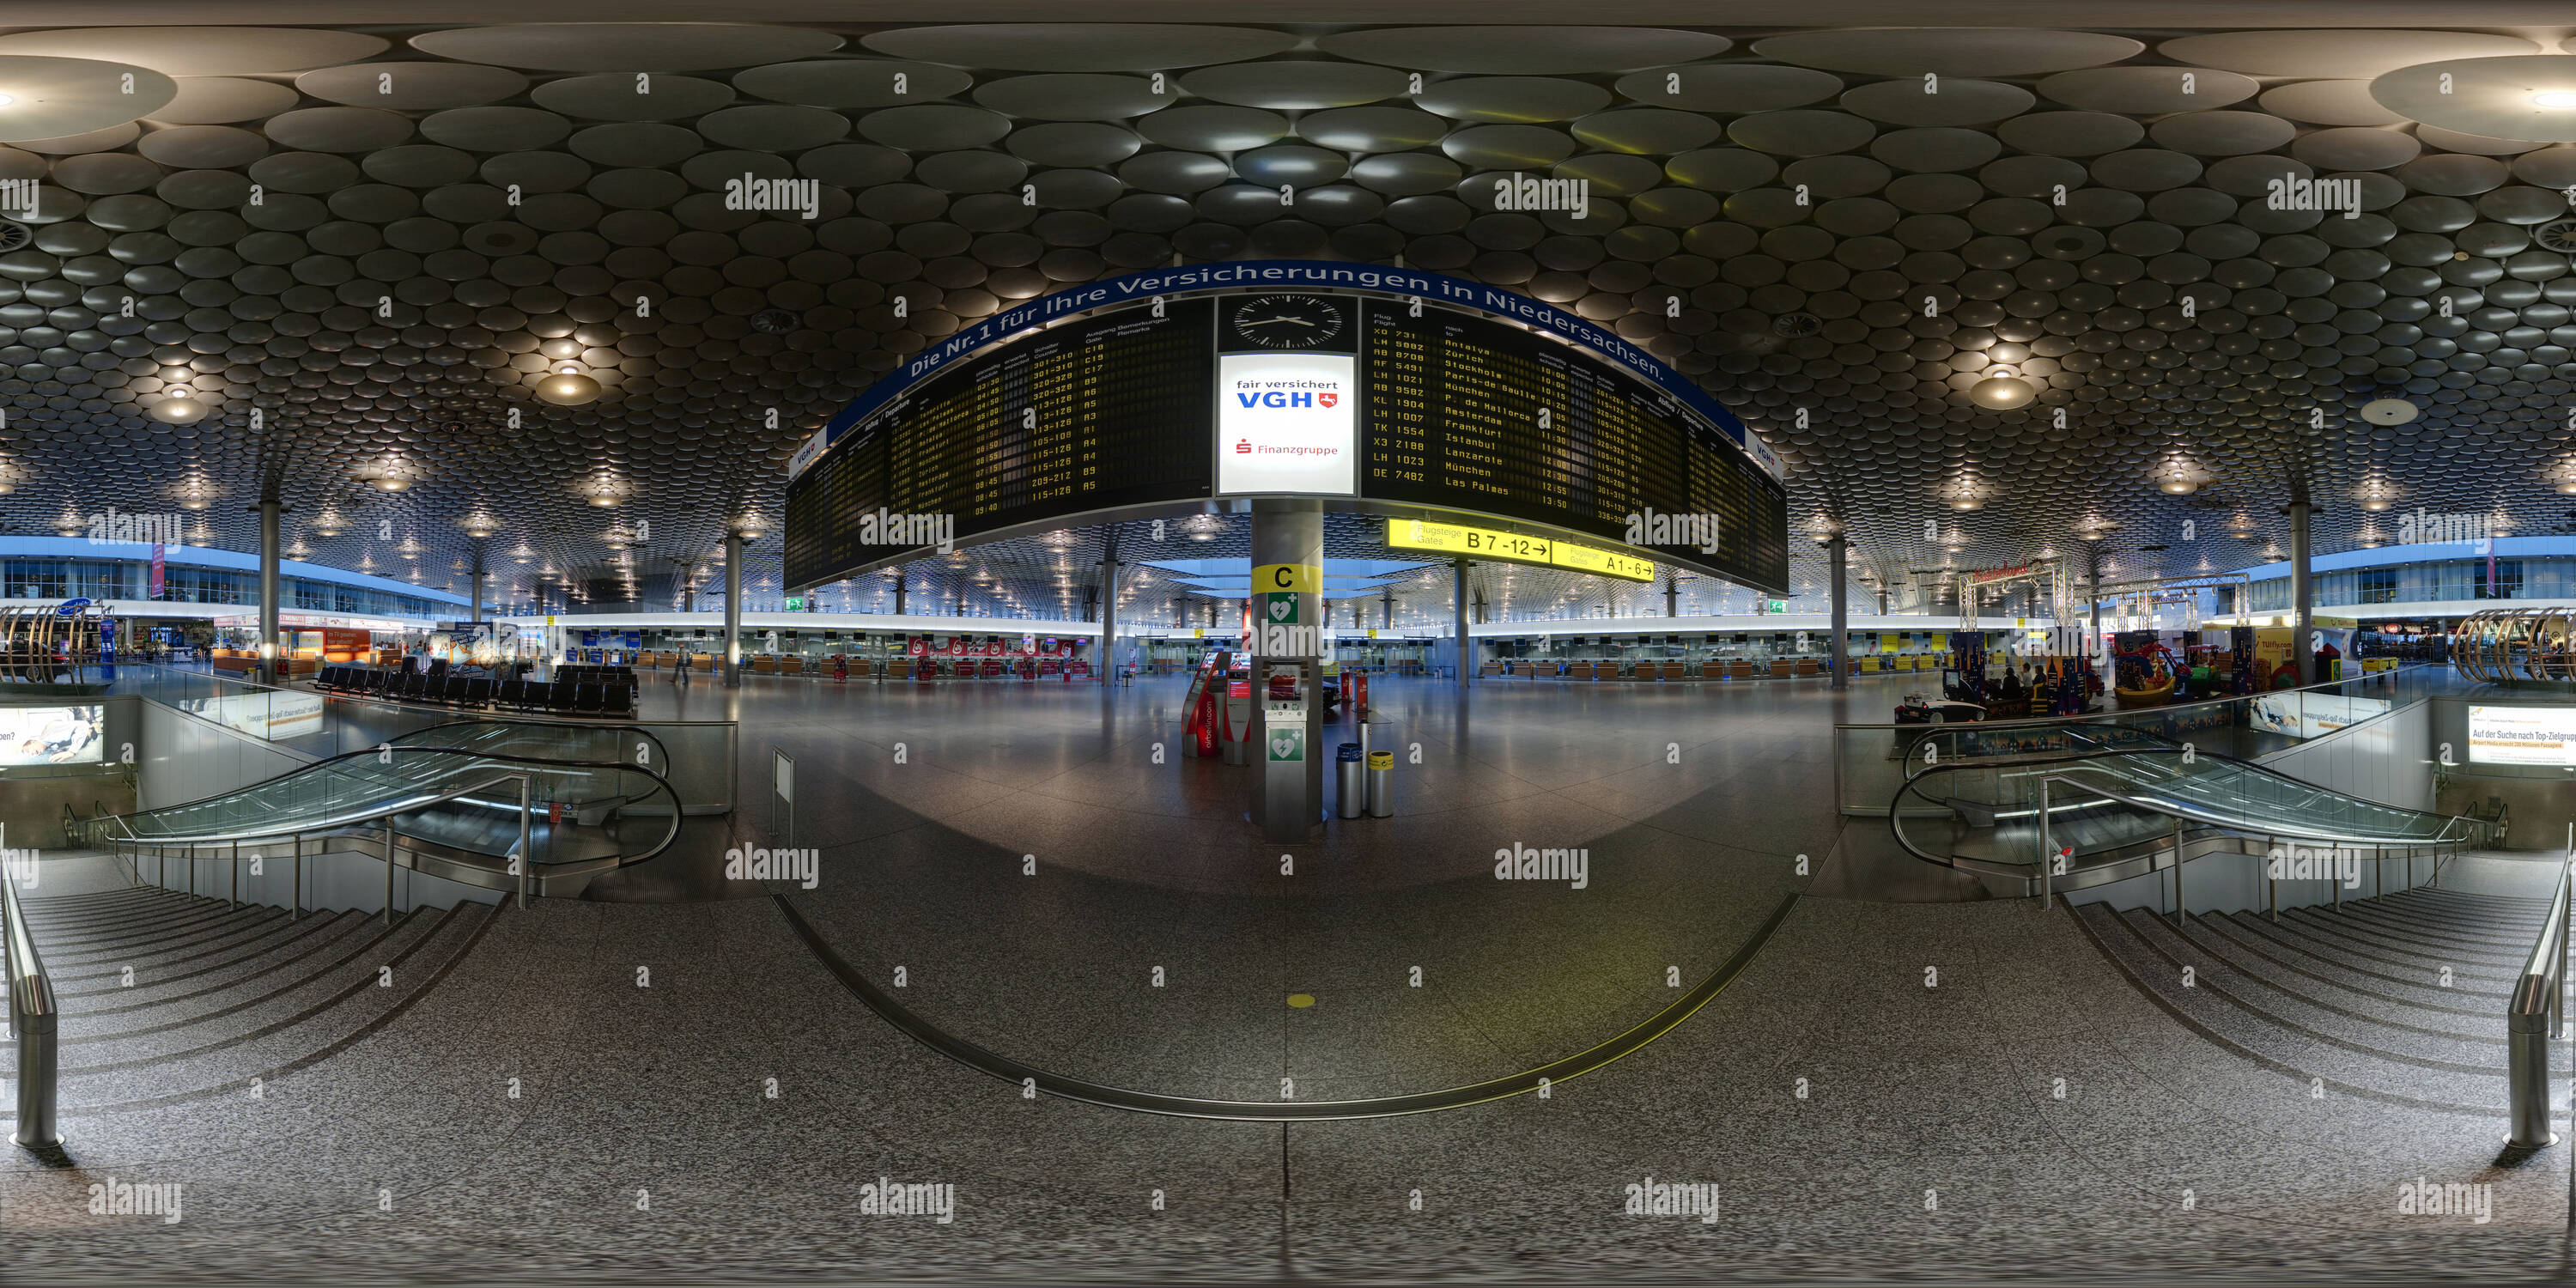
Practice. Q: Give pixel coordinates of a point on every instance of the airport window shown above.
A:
(2378, 585)
(2506, 582)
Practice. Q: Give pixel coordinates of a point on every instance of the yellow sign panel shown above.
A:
(1303, 579)
(1887, 643)
(1515, 547)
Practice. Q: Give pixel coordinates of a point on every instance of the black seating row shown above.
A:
(587, 673)
(560, 697)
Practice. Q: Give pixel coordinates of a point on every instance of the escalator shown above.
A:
(2118, 811)
(451, 796)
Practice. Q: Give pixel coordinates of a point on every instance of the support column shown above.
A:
(1466, 650)
(272, 662)
(1386, 610)
(1288, 562)
(2302, 593)
(1834, 587)
(1108, 621)
(2093, 592)
(475, 595)
(900, 577)
(1672, 596)
(733, 611)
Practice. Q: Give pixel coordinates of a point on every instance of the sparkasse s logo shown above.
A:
(1243, 447)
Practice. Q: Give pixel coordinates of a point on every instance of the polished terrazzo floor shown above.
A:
(643, 1138)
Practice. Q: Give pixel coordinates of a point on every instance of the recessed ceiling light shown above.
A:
(2555, 98)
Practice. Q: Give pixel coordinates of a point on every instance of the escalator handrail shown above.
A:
(659, 747)
(1895, 804)
(397, 742)
(660, 784)
(2107, 717)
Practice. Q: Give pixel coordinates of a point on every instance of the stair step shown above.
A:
(190, 970)
(2297, 1055)
(2450, 951)
(199, 1068)
(2394, 1039)
(151, 953)
(143, 924)
(2443, 929)
(2474, 997)
(306, 999)
(2305, 936)
(273, 975)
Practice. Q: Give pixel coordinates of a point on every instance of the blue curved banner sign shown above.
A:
(1286, 273)
(1402, 392)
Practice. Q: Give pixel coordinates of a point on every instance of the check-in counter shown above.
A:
(1578, 671)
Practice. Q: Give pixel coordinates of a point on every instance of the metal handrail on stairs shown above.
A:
(34, 1021)
(2536, 1013)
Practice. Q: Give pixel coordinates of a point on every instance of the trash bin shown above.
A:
(1354, 781)
(1381, 784)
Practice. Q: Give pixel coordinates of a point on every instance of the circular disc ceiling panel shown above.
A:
(1948, 51)
(2329, 102)
(1523, 51)
(1295, 87)
(50, 98)
(416, 87)
(1730, 87)
(2336, 53)
(625, 46)
(1080, 46)
(2532, 97)
(850, 82)
(222, 100)
(201, 51)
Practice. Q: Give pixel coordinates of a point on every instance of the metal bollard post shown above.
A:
(2182, 911)
(527, 860)
(39, 1064)
(1351, 785)
(2047, 850)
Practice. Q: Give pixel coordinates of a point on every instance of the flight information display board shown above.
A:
(1467, 412)
(1429, 406)
(1109, 410)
